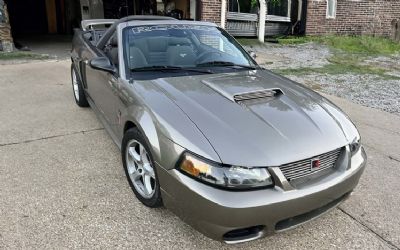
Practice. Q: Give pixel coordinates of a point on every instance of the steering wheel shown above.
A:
(205, 56)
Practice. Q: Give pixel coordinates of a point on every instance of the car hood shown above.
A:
(296, 124)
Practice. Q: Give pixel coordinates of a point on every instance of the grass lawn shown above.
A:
(348, 54)
(365, 45)
(340, 65)
(249, 41)
(22, 55)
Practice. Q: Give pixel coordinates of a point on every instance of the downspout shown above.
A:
(199, 10)
(299, 12)
(223, 13)
(261, 20)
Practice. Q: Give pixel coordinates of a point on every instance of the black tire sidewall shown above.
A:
(134, 134)
(82, 98)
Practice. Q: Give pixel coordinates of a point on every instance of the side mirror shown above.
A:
(102, 63)
(253, 54)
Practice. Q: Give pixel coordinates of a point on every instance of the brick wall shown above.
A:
(211, 11)
(358, 17)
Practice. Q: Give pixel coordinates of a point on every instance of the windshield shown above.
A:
(183, 46)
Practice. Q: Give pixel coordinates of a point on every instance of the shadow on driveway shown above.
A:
(56, 46)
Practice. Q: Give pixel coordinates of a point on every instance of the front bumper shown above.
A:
(221, 214)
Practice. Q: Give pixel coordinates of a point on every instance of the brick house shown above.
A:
(343, 17)
(240, 17)
(352, 17)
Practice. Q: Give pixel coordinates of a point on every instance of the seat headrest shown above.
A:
(178, 41)
(136, 58)
(157, 44)
(114, 41)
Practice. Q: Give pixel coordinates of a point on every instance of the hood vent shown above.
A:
(256, 95)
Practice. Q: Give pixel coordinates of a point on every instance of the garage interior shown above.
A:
(47, 25)
(39, 17)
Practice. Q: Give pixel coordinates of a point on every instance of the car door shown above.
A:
(102, 85)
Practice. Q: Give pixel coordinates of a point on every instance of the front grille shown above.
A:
(303, 168)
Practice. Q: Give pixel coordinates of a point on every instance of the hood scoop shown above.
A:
(244, 89)
(256, 96)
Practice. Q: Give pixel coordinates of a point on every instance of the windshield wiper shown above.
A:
(152, 68)
(169, 68)
(224, 64)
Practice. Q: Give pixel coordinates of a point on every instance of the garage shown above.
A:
(39, 17)
(180, 9)
(34, 23)
(29, 17)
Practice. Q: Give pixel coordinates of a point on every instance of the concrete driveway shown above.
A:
(62, 184)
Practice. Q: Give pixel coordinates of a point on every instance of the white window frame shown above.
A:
(328, 15)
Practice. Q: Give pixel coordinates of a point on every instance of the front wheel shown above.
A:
(140, 169)
(77, 87)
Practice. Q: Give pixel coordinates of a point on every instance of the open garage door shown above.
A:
(41, 17)
(30, 17)
(27, 16)
(180, 9)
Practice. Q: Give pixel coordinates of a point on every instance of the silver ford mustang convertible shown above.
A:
(233, 149)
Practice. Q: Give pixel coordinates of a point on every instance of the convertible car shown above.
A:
(236, 151)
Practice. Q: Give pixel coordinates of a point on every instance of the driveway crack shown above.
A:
(393, 159)
(369, 229)
(50, 137)
(381, 152)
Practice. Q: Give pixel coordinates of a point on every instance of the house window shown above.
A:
(278, 7)
(331, 8)
(234, 6)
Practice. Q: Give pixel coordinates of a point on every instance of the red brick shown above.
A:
(367, 17)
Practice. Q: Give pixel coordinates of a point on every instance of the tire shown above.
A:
(77, 89)
(140, 168)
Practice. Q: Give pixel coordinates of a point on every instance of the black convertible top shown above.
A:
(110, 31)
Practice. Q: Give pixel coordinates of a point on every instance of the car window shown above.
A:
(221, 43)
(184, 46)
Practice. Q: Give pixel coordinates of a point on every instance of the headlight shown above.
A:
(231, 177)
(355, 145)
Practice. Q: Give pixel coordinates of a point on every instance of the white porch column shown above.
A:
(223, 13)
(261, 20)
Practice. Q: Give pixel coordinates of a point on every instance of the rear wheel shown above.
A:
(77, 88)
(140, 169)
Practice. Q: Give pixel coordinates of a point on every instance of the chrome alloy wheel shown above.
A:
(140, 169)
(75, 85)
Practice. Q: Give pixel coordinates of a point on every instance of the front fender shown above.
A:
(167, 129)
(145, 123)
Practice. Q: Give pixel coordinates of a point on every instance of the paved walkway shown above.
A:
(62, 184)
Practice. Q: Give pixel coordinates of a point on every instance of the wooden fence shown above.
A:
(242, 24)
(246, 24)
